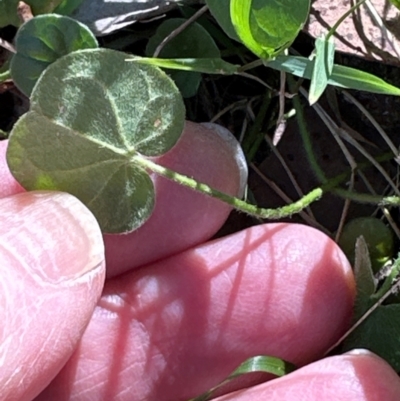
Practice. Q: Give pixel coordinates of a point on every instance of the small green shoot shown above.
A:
(261, 363)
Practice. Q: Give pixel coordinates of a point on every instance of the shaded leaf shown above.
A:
(41, 41)
(220, 9)
(365, 281)
(379, 333)
(378, 237)
(8, 10)
(193, 42)
(66, 7)
(81, 136)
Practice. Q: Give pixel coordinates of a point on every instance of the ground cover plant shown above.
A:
(86, 133)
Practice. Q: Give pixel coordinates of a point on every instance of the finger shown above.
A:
(353, 377)
(8, 185)
(175, 329)
(182, 217)
(52, 273)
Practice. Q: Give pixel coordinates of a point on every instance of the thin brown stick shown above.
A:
(178, 30)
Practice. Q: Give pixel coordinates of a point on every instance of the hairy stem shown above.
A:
(237, 203)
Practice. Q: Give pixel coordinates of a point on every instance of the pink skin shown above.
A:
(201, 154)
(176, 327)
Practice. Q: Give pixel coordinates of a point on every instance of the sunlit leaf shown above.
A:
(41, 41)
(204, 65)
(260, 364)
(396, 3)
(240, 16)
(91, 114)
(344, 77)
(268, 27)
(322, 69)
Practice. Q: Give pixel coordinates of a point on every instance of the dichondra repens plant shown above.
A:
(92, 135)
(96, 117)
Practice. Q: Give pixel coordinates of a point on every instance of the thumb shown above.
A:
(51, 276)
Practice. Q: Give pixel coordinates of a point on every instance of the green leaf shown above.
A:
(366, 283)
(220, 9)
(193, 42)
(240, 16)
(268, 27)
(379, 333)
(91, 114)
(5, 75)
(3, 134)
(365, 280)
(205, 65)
(260, 363)
(66, 7)
(41, 41)
(344, 77)
(8, 10)
(396, 3)
(322, 69)
(378, 236)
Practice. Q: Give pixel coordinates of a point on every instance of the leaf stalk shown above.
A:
(238, 204)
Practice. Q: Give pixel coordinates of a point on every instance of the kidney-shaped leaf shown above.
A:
(41, 41)
(379, 333)
(268, 27)
(193, 42)
(220, 9)
(91, 113)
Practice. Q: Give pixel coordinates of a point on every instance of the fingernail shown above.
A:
(359, 351)
(237, 152)
(52, 235)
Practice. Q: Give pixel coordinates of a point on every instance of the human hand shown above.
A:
(176, 327)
